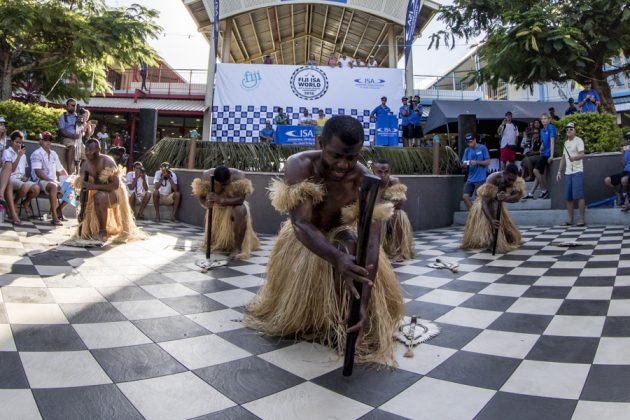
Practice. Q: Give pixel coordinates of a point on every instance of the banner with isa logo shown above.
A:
(411, 19)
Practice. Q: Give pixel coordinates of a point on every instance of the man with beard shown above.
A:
(397, 235)
(312, 268)
(107, 212)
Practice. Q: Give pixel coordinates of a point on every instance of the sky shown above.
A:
(184, 48)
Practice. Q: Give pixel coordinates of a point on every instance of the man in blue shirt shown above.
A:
(382, 109)
(476, 159)
(266, 134)
(619, 182)
(571, 109)
(548, 140)
(403, 114)
(588, 99)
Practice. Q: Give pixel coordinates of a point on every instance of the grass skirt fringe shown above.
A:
(398, 237)
(301, 299)
(121, 225)
(223, 232)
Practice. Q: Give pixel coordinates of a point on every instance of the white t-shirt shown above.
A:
(49, 162)
(508, 137)
(9, 155)
(139, 187)
(574, 147)
(102, 136)
(164, 189)
(344, 63)
(4, 143)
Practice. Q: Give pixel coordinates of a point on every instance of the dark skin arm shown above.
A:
(112, 185)
(216, 197)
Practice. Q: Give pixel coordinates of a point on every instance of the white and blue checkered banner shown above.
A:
(248, 95)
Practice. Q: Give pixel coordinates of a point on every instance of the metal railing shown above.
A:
(161, 80)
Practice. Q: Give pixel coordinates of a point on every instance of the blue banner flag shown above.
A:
(386, 130)
(411, 19)
(295, 134)
(215, 26)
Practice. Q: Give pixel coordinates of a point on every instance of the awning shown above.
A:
(489, 114)
(173, 105)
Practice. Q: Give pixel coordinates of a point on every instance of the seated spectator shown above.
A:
(307, 119)
(332, 61)
(166, 191)
(16, 156)
(267, 133)
(311, 60)
(4, 140)
(282, 118)
(344, 62)
(372, 62)
(358, 63)
(138, 189)
(267, 60)
(571, 109)
(45, 168)
(620, 182)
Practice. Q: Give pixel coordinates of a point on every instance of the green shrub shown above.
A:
(32, 118)
(599, 132)
(264, 157)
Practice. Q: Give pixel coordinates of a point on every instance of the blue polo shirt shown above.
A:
(588, 106)
(404, 119)
(626, 157)
(476, 173)
(68, 122)
(267, 132)
(379, 110)
(546, 133)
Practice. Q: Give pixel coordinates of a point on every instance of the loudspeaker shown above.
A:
(147, 128)
(466, 123)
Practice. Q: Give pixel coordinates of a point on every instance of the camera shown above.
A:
(80, 110)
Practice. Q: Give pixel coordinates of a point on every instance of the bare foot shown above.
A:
(16, 221)
(399, 258)
(102, 235)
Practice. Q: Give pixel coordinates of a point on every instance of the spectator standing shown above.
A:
(548, 141)
(372, 62)
(531, 150)
(103, 137)
(416, 121)
(509, 133)
(267, 133)
(571, 109)
(4, 140)
(620, 182)
(588, 99)
(380, 110)
(281, 118)
(476, 159)
(267, 60)
(72, 128)
(403, 114)
(144, 72)
(118, 141)
(321, 121)
(552, 114)
(307, 119)
(344, 61)
(166, 191)
(573, 164)
(45, 168)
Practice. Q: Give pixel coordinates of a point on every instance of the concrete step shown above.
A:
(597, 216)
(521, 205)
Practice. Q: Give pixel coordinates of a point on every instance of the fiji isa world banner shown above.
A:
(246, 95)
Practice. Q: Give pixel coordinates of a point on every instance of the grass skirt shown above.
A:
(398, 235)
(223, 232)
(301, 299)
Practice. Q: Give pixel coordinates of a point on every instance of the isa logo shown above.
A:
(309, 83)
(369, 83)
(387, 131)
(251, 80)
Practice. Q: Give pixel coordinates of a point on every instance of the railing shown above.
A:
(161, 80)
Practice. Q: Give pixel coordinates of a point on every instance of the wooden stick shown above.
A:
(209, 223)
(83, 200)
(499, 208)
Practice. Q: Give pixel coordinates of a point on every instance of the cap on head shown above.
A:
(571, 100)
(508, 113)
(570, 125)
(628, 134)
(46, 136)
(2, 120)
(470, 137)
(404, 98)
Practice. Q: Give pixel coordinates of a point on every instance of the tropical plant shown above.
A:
(599, 132)
(265, 157)
(535, 41)
(63, 48)
(31, 118)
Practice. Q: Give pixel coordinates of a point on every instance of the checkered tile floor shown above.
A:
(135, 330)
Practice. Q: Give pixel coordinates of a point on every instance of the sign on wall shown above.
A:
(248, 95)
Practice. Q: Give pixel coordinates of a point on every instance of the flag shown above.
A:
(411, 19)
(215, 26)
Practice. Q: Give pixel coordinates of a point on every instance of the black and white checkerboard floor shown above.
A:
(135, 330)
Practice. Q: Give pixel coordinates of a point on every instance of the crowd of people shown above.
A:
(340, 61)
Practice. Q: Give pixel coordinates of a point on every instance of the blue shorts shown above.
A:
(574, 186)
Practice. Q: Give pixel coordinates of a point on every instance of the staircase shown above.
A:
(539, 212)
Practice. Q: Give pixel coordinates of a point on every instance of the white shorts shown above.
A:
(18, 183)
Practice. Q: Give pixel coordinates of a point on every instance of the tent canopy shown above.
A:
(489, 113)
